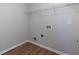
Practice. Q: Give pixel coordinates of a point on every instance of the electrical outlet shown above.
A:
(48, 27)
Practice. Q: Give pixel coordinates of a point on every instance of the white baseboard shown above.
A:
(2, 52)
(51, 49)
(43, 46)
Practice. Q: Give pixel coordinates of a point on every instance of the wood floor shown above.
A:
(29, 49)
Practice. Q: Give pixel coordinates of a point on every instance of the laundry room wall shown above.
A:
(13, 24)
(62, 21)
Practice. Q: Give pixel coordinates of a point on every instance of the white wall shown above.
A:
(39, 6)
(16, 25)
(13, 24)
(65, 22)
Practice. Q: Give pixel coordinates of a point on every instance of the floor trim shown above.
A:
(54, 50)
(51, 49)
(2, 52)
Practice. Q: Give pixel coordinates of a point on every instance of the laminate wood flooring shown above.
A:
(29, 49)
